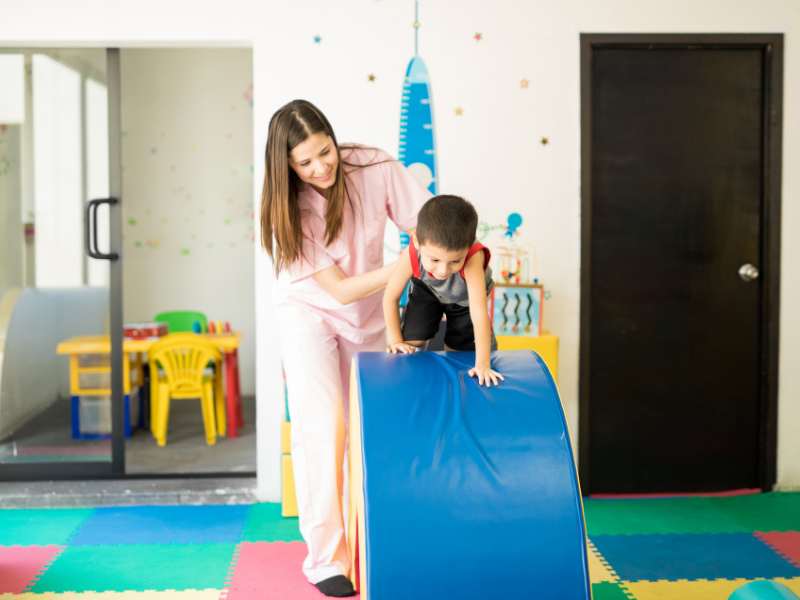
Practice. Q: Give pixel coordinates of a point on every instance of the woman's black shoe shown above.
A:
(337, 586)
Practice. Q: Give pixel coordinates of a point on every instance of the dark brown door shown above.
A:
(674, 337)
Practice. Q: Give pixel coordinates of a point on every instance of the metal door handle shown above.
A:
(748, 272)
(91, 229)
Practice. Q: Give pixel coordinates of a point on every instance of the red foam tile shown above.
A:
(785, 543)
(271, 571)
(21, 566)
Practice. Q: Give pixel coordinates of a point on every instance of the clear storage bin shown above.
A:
(94, 381)
(94, 360)
(95, 413)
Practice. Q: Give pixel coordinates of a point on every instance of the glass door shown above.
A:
(67, 397)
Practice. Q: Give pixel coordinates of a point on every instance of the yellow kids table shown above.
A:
(90, 373)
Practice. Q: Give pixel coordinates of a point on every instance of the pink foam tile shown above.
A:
(785, 543)
(271, 571)
(21, 566)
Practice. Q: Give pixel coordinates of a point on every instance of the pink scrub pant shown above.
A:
(316, 362)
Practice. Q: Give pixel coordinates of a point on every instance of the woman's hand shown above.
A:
(486, 376)
(400, 347)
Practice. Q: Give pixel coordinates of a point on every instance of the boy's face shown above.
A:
(440, 262)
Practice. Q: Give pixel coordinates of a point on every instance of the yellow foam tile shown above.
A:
(288, 497)
(599, 569)
(209, 594)
(286, 437)
(703, 589)
(717, 589)
(793, 583)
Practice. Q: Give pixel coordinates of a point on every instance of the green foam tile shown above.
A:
(40, 527)
(657, 515)
(608, 591)
(737, 514)
(138, 567)
(777, 511)
(265, 524)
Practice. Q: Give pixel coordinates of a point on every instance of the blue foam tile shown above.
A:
(685, 556)
(163, 525)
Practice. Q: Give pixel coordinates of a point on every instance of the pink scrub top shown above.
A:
(378, 192)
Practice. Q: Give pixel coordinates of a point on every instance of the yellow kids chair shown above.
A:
(178, 371)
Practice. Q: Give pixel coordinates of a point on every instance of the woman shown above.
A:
(323, 213)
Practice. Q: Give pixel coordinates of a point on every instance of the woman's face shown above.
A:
(315, 160)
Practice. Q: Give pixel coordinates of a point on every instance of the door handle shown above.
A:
(90, 229)
(748, 272)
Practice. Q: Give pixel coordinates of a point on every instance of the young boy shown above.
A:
(450, 275)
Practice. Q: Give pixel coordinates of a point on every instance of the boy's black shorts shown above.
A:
(423, 316)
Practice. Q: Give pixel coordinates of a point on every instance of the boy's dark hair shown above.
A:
(449, 222)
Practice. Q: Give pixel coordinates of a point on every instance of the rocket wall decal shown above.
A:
(417, 147)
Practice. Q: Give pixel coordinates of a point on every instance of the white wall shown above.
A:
(187, 185)
(10, 208)
(58, 173)
(41, 179)
(490, 153)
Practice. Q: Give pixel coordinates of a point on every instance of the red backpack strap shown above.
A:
(474, 249)
(413, 257)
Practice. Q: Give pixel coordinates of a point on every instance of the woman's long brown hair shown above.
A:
(281, 226)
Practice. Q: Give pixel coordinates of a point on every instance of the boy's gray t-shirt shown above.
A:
(452, 290)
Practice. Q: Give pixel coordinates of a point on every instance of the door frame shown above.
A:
(114, 467)
(115, 280)
(772, 114)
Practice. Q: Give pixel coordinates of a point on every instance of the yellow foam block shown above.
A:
(286, 437)
(288, 497)
(716, 589)
(545, 346)
(599, 569)
(356, 523)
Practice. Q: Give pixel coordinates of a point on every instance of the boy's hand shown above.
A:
(400, 348)
(486, 376)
